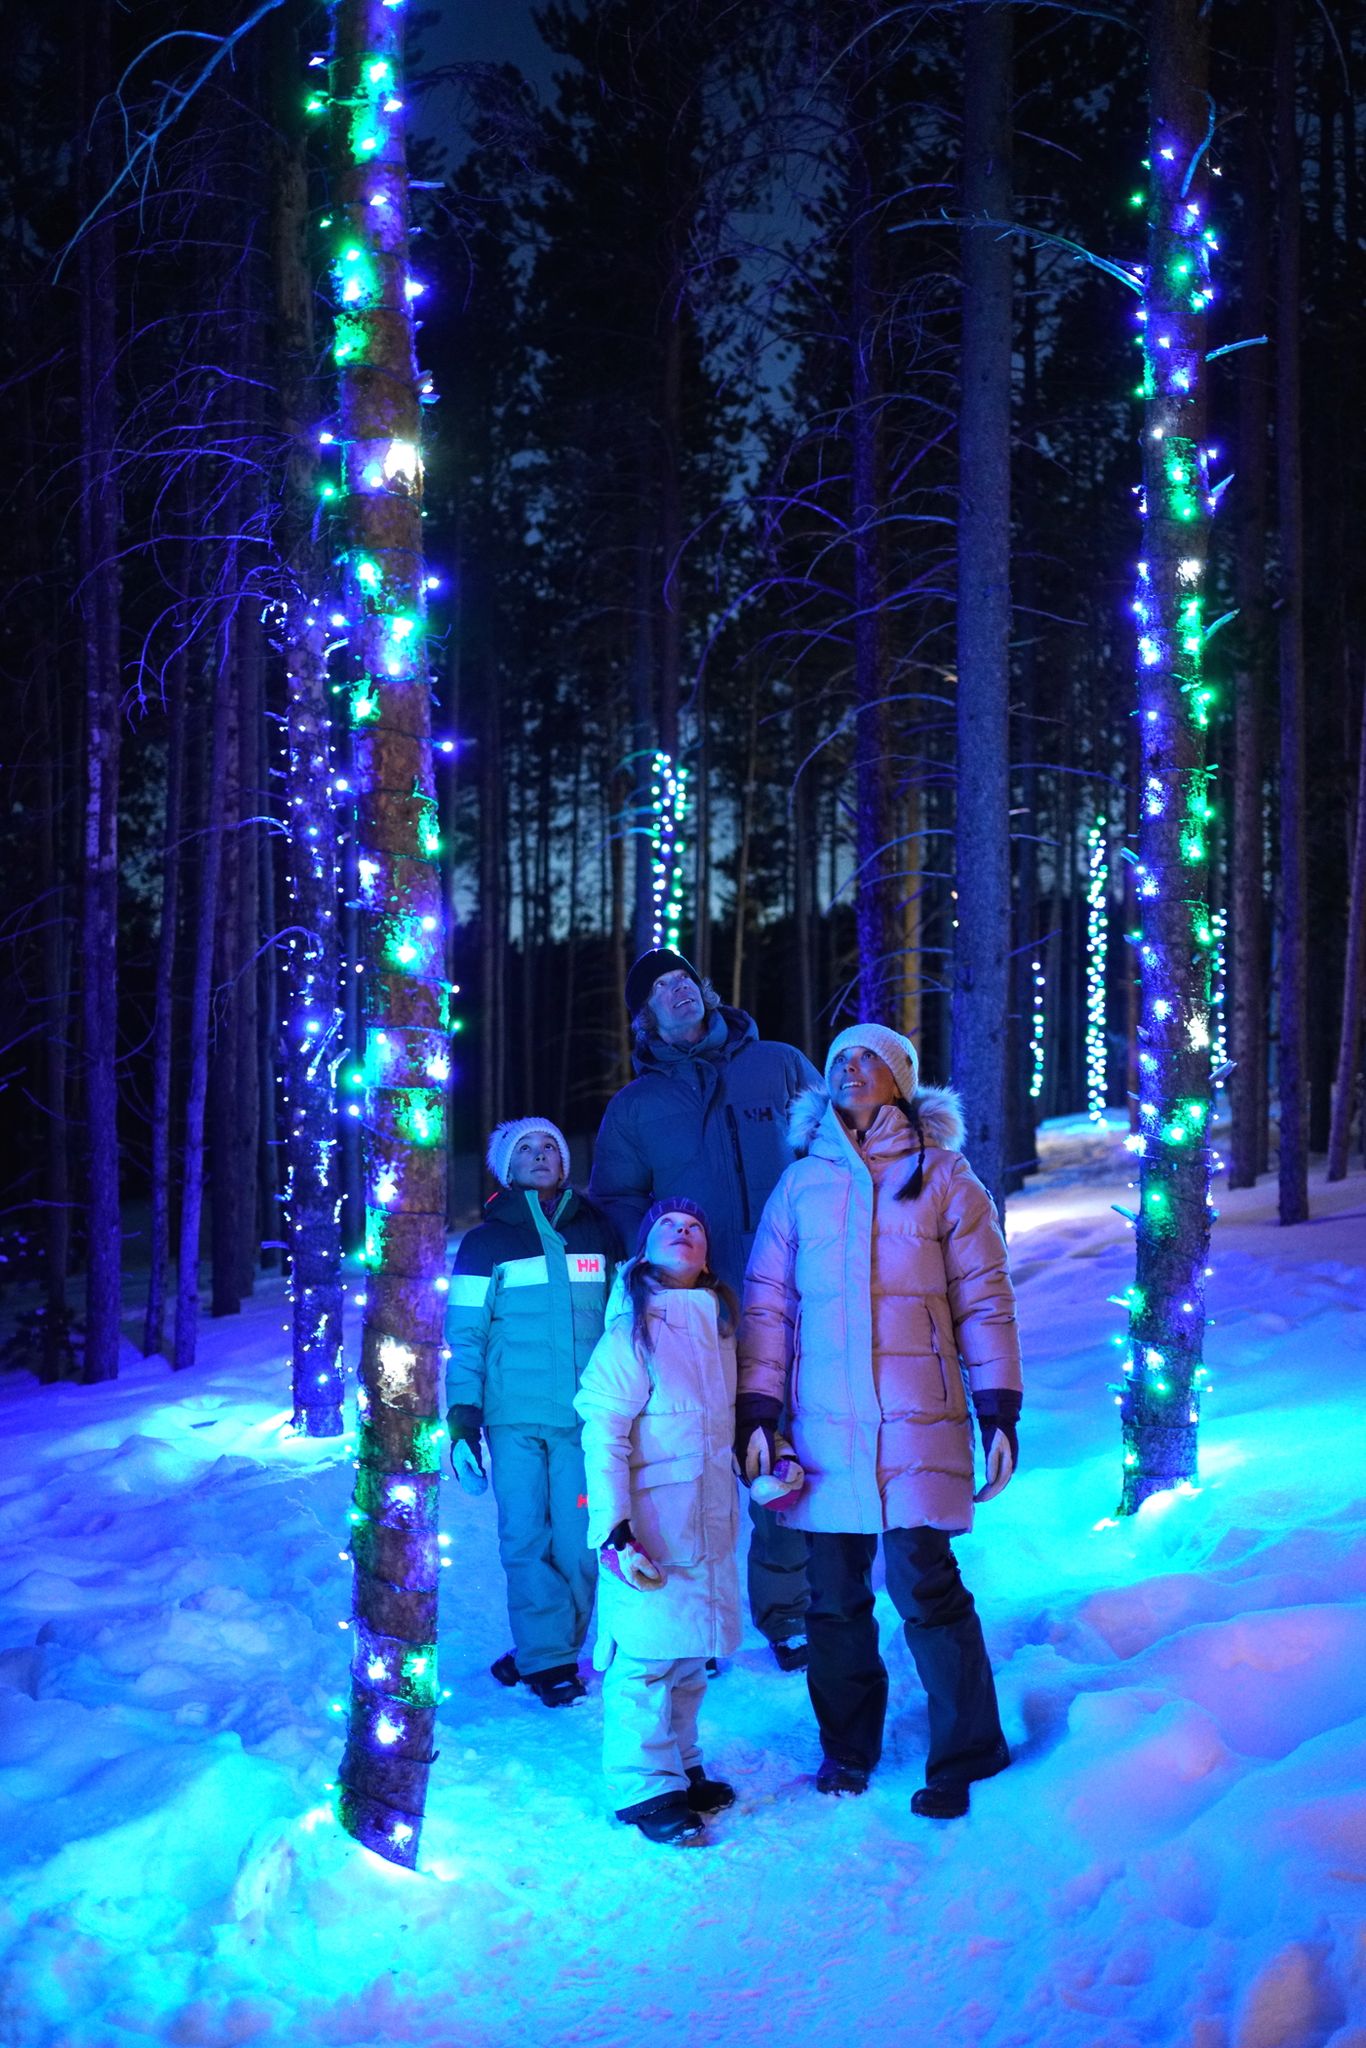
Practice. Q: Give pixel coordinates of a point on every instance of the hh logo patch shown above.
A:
(762, 1114)
(590, 1266)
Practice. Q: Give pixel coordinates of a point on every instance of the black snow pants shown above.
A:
(847, 1678)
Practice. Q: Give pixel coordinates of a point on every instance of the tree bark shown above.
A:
(1247, 910)
(197, 1034)
(877, 899)
(391, 1720)
(1293, 1057)
(224, 1111)
(1159, 1400)
(163, 1002)
(99, 522)
(1346, 1083)
(313, 1025)
(981, 950)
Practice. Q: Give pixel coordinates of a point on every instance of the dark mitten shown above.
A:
(998, 1411)
(463, 1420)
(756, 1415)
(999, 1408)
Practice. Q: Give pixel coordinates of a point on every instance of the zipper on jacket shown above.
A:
(732, 1120)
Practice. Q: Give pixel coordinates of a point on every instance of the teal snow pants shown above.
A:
(539, 1485)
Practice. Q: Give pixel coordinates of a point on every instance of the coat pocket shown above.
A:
(946, 1351)
(666, 1508)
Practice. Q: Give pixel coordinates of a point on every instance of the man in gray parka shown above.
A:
(706, 1117)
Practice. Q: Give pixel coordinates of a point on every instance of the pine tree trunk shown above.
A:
(203, 925)
(224, 1111)
(54, 892)
(1159, 1405)
(247, 1046)
(1347, 1078)
(747, 795)
(877, 898)
(392, 1714)
(163, 1002)
(981, 947)
(313, 1032)
(1293, 1058)
(700, 954)
(98, 528)
(644, 723)
(492, 910)
(1246, 943)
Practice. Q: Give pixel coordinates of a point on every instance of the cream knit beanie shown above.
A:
(891, 1048)
(507, 1136)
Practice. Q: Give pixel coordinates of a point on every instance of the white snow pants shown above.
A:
(649, 1725)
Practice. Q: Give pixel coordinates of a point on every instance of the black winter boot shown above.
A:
(667, 1819)
(558, 1687)
(836, 1777)
(940, 1802)
(708, 1795)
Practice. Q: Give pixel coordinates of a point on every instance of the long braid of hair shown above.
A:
(916, 1182)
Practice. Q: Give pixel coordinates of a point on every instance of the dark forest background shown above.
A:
(693, 322)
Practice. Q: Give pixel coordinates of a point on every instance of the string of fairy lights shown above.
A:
(1175, 933)
(668, 808)
(1097, 953)
(398, 1084)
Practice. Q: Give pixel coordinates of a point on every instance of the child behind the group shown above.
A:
(524, 1310)
(658, 1402)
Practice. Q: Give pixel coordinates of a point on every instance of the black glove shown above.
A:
(463, 1420)
(756, 1415)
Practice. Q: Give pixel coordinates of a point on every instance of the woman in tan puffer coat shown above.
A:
(879, 1265)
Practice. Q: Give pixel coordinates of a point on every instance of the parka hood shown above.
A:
(940, 1111)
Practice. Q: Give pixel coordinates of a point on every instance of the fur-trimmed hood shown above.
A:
(940, 1111)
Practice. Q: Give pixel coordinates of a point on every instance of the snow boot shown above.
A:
(505, 1669)
(836, 1777)
(708, 1795)
(667, 1819)
(558, 1687)
(790, 1656)
(940, 1802)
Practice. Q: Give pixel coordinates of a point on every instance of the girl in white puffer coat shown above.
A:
(658, 1406)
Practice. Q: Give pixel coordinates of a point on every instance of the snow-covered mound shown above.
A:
(1177, 1857)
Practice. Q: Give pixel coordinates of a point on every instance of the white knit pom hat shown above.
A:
(891, 1047)
(509, 1135)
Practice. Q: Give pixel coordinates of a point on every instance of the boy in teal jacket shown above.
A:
(525, 1308)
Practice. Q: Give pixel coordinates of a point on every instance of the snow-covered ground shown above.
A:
(1177, 1857)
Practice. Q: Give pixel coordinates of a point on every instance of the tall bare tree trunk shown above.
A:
(392, 1714)
(742, 852)
(981, 951)
(224, 1110)
(1293, 1060)
(99, 521)
(163, 1002)
(203, 925)
(1159, 1401)
(1347, 1077)
(313, 1033)
(877, 897)
(1247, 910)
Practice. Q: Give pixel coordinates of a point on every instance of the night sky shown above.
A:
(481, 32)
